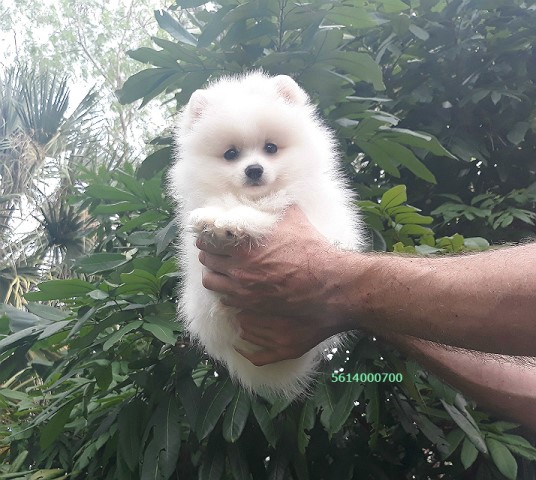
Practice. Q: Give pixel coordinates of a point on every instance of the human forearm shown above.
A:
(503, 385)
(483, 302)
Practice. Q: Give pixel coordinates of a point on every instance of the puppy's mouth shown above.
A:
(254, 183)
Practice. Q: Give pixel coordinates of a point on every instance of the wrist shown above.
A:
(346, 276)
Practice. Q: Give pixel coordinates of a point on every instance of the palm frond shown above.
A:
(45, 99)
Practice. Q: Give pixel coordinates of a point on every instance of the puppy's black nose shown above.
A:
(254, 172)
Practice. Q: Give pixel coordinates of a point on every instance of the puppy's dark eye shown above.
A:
(270, 148)
(231, 154)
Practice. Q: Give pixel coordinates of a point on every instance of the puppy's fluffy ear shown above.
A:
(195, 108)
(290, 91)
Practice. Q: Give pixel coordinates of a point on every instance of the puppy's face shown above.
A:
(246, 153)
(246, 143)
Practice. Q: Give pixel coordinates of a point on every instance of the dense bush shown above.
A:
(101, 383)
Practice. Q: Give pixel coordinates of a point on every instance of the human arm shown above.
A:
(485, 301)
(502, 385)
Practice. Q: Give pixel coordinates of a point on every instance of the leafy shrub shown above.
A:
(100, 381)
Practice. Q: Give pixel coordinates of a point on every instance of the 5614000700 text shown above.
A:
(367, 377)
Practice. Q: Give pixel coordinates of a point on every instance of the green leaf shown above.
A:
(442, 390)
(415, 230)
(103, 376)
(413, 218)
(518, 132)
(353, 17)
(394, 6)
(60, 290)
(214, 27)
(239, 465)
(468, 425)
(469, 453)
(119, 334)
(130, 428)
(345, 405)
(236, 416)
(246, 11)
(326, 42)
(361, 65)
(325, 399)
(149, 217)
(54, 427)
(138, 281)
(454, 438)
(13, 394)
(167, 83)
(476, 243)
(502, 458)
(394, 197)
(105, 192)
(379, 157)
(53, 328)
(119, 207)
(89, 450)
(405, 157)
(419, 32)
(190, 397)
(25, 334)
(158, 58)
(213, 403)
(43, 474)
(174, 28)
(161, 455)
(155, 162)
(373, 412)
(190, 3)
(19, 319)
(47, 312)
(100, 262)
(508, 439)
(143, 83)
(161, 332)
(262, 415)
(415, 139)
(431, 431)
(526, 452)
(306, 422)
(213, 463)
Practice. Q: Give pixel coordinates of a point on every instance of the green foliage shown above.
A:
(464, 71)
(103, 383)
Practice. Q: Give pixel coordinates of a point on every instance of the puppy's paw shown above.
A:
(201, 220)
(206, 223)
(245, 222)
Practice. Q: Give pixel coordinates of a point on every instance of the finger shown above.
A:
(261, 357)
(217, 282)
(250, 319)
(256, 339)
(216, 263)
(211, 248)
(255, 322)
(215, 249)
(232, 301)
(239, 298)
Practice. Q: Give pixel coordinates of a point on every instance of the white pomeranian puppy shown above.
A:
(247, 148)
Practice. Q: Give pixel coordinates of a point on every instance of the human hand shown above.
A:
(280, 338)
(292, 274)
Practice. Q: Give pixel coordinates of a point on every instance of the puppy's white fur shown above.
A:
(215, 198)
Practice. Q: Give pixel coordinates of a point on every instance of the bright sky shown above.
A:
(9, 39)
(78, 88)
